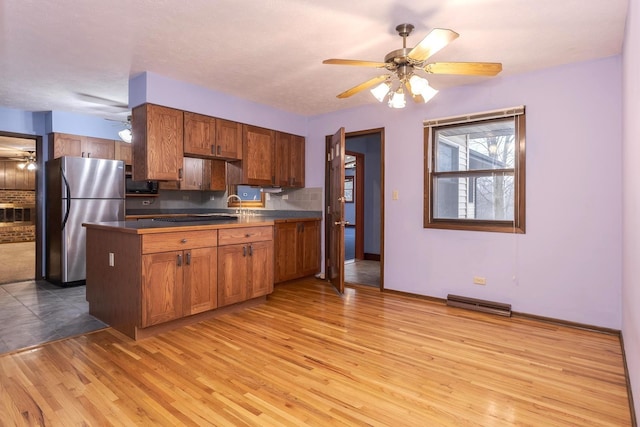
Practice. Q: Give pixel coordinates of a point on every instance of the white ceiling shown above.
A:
(57, 54)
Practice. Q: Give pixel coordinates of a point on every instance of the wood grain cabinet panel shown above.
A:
(199, 135)
(62, 144)
(200, 280)
(157, 143)
(245, 264)
(290, 152)
(258, 158)
(162, 287)
(123, 151)
(297, 249)
(228, 139)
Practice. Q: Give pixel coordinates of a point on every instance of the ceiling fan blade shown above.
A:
(464, 68)
(432, 43)
(355, 62)
(416, 98)
(362, 86)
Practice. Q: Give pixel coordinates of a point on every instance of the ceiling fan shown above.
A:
(29, 160)
(406, 62)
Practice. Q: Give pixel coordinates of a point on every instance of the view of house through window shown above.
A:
(474, 177)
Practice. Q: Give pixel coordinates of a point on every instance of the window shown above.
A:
(252, 197)
(475, 172)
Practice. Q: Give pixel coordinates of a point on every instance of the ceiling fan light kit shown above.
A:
(403, 64)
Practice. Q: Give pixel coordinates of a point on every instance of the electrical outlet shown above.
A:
(112, 261)
(394, 195)
(146, 202)
(285, 197)
(477, 280)
(185, 197)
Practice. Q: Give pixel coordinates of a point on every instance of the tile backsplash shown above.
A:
(305, 199)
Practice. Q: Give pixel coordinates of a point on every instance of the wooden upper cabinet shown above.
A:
(199, 135)
(62, 144)
(289, 160)
(258, 158)
(228, 139)
(123, 151)
(157, 143)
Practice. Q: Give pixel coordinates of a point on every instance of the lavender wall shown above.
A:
(157, 89)
(568, 264)
(631, 199)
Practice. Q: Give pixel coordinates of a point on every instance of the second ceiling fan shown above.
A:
(404, 63)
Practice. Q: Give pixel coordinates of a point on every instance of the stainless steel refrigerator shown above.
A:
(79, 190)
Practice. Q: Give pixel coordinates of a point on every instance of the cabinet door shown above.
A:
(260, 269)
(296, 165)
(309, 242)
(62, 144)
(286, 251)
(162, 287)
(200, 280)
(283, 159)
(98, 148)
(193, 174)
(123, 151)
(228, 139)
(199, 135)
(157, 143)
(258, 152)
(217, 170)
(232, 274)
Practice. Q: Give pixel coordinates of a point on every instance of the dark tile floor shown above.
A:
(362, 272)
(33, 313)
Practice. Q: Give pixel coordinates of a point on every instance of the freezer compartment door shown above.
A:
(73, 251)
(86, 178)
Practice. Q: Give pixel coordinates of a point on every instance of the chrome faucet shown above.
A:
(239, 200)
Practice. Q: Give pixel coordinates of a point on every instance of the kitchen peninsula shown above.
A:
(152, 275)
(144, 277)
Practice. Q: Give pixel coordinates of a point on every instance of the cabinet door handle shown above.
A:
(180, 173)
(189, 258)
(213, 149)
(250, 250)
(183, 241)
(219, 149)
(244, 251)
(179, 260)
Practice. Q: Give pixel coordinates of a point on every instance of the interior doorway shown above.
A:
(19, 207)
(363, 208)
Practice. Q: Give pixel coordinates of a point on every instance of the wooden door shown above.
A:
(309, 243)
(162, 287)
(335, 214)
(200, 280)
(260, 260)
(286, 251)
(199, 135)
(258, 152)
(228, 139)
(232, 274)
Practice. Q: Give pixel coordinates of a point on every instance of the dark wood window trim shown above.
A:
(515, 226)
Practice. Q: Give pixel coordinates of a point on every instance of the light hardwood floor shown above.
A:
(310, 357)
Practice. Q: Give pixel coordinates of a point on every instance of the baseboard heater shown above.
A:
(479, 305)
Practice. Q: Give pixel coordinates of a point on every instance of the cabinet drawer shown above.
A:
(165, 242)
(231, 236)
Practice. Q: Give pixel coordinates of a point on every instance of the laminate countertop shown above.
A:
(150, 225)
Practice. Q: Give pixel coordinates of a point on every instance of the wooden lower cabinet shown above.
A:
(155, 280)
(245, 264)
(297, 249)
(178, 283)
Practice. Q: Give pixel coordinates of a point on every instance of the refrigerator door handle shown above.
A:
(66, 184)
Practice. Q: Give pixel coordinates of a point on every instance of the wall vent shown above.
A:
(479, 305)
